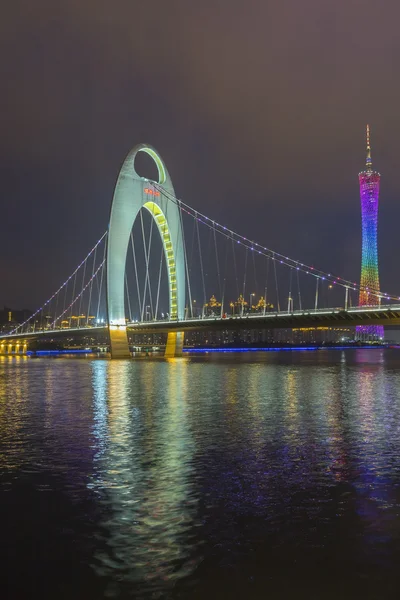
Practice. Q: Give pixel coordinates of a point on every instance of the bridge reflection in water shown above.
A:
(198, 477)
(142, 469)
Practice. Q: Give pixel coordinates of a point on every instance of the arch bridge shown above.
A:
(191, 273)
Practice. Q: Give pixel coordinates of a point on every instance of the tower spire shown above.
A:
(368, 162)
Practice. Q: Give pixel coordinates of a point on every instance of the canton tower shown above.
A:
(369, 283)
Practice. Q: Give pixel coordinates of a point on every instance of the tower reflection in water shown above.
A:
(142, 469)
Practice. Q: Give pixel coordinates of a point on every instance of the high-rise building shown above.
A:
(369, 283)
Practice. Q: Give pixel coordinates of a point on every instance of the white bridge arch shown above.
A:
(132, 193)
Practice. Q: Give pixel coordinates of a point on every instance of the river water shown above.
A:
(251, 475)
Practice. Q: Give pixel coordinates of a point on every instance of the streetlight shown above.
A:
(250, 301)
(193, 307)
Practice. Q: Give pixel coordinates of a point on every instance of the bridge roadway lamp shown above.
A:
(251, 295)
(133, 193)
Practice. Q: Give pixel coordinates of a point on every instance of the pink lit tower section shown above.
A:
(369, 283)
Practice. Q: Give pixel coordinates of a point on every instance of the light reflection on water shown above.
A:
(219, 475)
(143, 467)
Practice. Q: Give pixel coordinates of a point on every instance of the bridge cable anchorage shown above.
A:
(285, 260)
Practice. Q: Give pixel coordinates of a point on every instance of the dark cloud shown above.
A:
(258, 108)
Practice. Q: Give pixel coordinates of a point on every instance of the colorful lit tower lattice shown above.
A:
(369, 284)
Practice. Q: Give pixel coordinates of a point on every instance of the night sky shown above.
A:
(258, 108)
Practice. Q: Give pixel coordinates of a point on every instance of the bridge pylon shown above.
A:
(132, 193)
(174, 345)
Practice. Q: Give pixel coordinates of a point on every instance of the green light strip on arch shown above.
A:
(162, 225)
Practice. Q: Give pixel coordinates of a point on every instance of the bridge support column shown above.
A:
(174, 344)
(119, 342)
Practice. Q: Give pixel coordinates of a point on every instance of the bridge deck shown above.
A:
(335, 317)
(298, 319)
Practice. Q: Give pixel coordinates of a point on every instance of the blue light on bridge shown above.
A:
(291, 349)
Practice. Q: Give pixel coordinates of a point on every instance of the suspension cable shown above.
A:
(78, 296)
(307, 269)
(298, 288)
(290, 299)
(266, 285)
(254, 269)
(136, 272)
(316, 294)
(128, 298)
(59, 289)
(202, 271)
(225, 272)
(91, 287)
(235, 268)
(101, 283)
(73, 294)
(217, 260)
(276, 286)
(146, 257)
(161, 258)
(186, 263)
(244, 282)
(80, 300)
